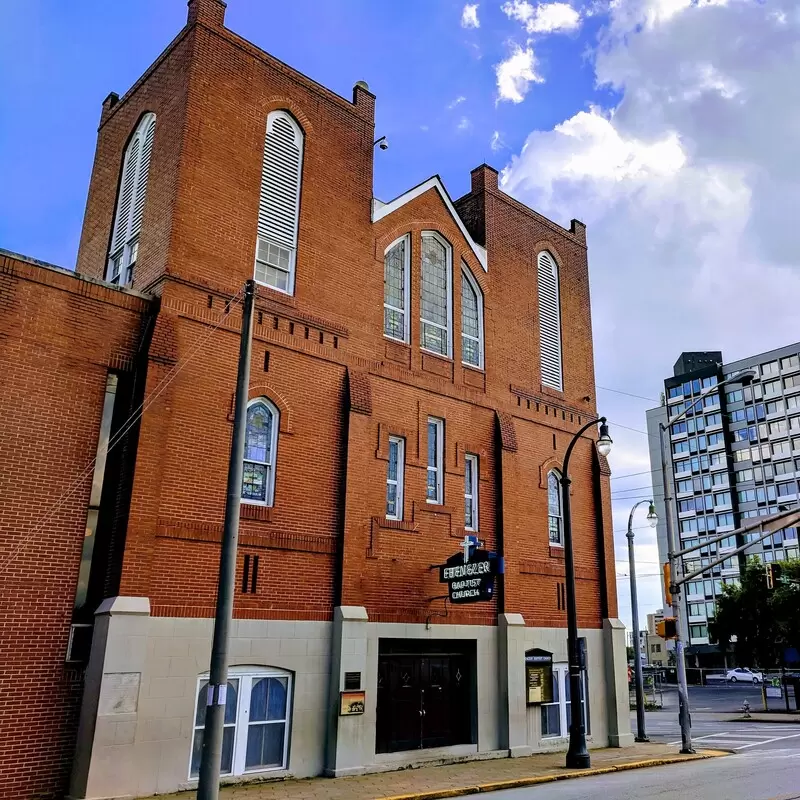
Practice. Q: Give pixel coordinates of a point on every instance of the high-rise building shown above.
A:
(735, 455)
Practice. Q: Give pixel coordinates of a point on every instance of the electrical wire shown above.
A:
(122, 432)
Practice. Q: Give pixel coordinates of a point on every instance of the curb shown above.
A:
(515, 783)
(789, 719)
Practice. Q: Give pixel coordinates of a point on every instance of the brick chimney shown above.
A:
(483, 177)
(207, 12)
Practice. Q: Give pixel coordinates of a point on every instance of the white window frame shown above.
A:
(400, 442)
(561, 672)
(406, 238)
(265, 240)
(246, 676)
(124, 249)
(438, 467)
(276, 421)
(557, 384)
(471, 492)
(449, 290)
(467, 273)
(560, 543)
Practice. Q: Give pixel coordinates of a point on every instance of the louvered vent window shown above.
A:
(550, 322)
(279, 204)
(130, 203)
(435, 302)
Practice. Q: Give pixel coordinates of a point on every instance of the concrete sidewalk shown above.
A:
(763, 716)
(454, 780)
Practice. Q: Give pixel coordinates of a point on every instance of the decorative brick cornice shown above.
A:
(360, 392)
(508, 434)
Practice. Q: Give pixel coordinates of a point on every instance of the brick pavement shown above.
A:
(452, 779)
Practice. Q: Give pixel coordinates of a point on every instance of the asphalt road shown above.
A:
(752, 775)
(726, 697)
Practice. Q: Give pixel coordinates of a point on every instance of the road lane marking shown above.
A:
(769, 741)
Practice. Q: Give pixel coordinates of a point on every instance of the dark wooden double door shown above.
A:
(424, 700)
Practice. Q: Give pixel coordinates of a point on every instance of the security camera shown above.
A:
(383, 143)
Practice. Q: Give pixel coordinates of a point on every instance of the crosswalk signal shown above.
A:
(667, 629)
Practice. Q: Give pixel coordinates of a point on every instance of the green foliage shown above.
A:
(763, 621)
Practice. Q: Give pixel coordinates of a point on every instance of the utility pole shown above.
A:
(641, 733)
(208, 784)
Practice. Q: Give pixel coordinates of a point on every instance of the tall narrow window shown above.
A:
(394, 478)
(130, 203)
(555, 523)
(471, 320)
(396, 289)
(435, 300)
(550, 322)
(279, 205)
(435, 492)
(260, 445)
(471, 492)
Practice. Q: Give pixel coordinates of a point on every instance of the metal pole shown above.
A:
(684, 715)
(641, 733)
(208, 784)
(577, 754)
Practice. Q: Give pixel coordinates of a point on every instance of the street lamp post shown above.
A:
(641, 734)
(577, 754)
(684, 717)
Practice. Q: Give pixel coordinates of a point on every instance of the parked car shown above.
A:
(744, 675)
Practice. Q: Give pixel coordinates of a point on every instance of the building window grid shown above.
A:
(471, 320)
(396, 280)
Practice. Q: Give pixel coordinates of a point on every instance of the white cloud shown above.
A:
(543, 17)
(690, 187)
(516, 73)
(469, 16)
(464, 124)
(496, 142)
(457, 102)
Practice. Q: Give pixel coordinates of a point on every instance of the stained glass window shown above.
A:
(394, 291)
(434, 301)
(259, 453)
(471, 333)
(554, 520)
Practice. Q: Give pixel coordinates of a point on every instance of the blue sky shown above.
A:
(59, 60)
(671, 127)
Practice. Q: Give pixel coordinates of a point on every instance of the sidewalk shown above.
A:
(454, 780)
(763, 716)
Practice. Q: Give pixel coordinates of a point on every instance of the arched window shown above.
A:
(436, 308)
(260, 450)
(279, 204)
(396, 289)
(555, 522)
(130, 203)
(471, 319)
(550, 321)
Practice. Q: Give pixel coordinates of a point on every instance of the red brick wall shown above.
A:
(59, 338)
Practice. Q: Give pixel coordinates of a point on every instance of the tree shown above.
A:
(763, 621)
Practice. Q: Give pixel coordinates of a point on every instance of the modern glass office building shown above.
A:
(735, 455)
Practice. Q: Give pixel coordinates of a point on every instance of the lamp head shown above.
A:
(605, 441)
(746, 376)
(652, 517)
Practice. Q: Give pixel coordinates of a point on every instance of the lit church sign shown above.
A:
(469, 575)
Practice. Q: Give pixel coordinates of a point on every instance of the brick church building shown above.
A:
(419, 368)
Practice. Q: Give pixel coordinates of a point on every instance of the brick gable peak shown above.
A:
(381, 210)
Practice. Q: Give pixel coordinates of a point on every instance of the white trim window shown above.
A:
(394, 477)
(260, 452)
(256, 724)
(396, 289)
(279, 203)
(435, 484)
(556, 715)
(124, 250)
(471, 492)
(550, 321)
(436, 302)
(555, 521)
(471, 319)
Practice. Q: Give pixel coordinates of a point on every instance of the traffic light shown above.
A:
(667, 584)
(667, 629)
(773, 575)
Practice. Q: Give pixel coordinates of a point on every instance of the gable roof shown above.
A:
(381, 210)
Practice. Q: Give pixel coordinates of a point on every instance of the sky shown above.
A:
(670, 127)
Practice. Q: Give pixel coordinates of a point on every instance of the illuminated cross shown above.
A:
(466, 544)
